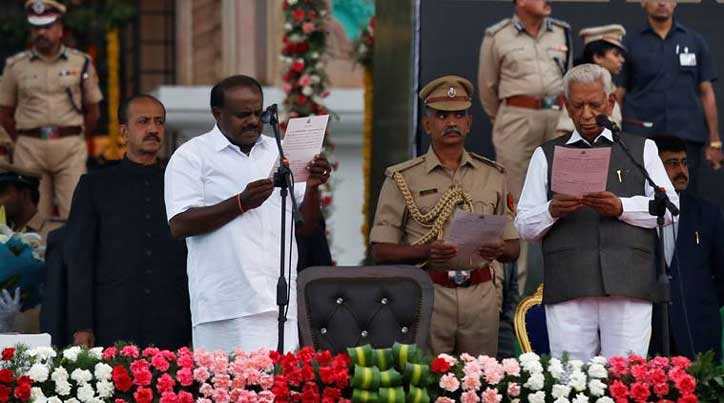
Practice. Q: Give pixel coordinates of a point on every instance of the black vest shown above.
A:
(589, 255)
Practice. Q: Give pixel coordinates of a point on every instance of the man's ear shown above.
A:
(123, 128)
(611, 103)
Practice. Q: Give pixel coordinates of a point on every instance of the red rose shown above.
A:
(298, 14)
(5, 392)
(306, 355)
(24, 380)
(8, 353)
(661, 389)
(439, 366)
(686, 384)
(324, 357)
(302, 47)
(143, 395)
(6, 376)
(332, 393)
(275, 356)
(640, 391)
(22, 392)
(619, 390)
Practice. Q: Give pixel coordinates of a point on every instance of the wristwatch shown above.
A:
(715, 144)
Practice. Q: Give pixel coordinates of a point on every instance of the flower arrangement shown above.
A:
(310, 376)
(660, 379)
(15, 386)
(245, 377)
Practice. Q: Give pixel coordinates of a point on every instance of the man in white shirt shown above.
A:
(220, 197)
(598, 249)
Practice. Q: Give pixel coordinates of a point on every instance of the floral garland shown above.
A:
(114, 149)
(305, 80)
(364, 52)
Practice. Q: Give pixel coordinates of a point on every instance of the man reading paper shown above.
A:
(598, 248)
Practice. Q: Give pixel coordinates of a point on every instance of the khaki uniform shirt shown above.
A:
(428, 180)
(514, 63)
(566, 126)
(37, 88)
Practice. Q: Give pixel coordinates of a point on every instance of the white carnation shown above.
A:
(596, 387)
(561, 400)
(54, 399)
(555, 368)
(307, 90)
(39, 373)
(105, 389)
(86, 392)
(288, 26)
(535, 382)
(103, 371)
(533, 367)
(42, 353)
(559, 391)
(72, 400)
(96, 400)
(318, 100)
(575, 365)
(537, 397)
(599, 359)
(81, 376)
(528, 357)
(597, 371)
(59, 374)
(37, 395)
(291, 2)
(578, 381)
(315, 79)
(314, 55)
(605, 399)
(96, 352)
(71, 354)
(581, 398)
(62, 388)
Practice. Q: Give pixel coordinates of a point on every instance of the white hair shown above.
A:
(588, 73)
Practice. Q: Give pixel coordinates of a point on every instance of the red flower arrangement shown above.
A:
(12, 386)
(310, 377)
(634, 379)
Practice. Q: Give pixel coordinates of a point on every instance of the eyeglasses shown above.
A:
(674, 163)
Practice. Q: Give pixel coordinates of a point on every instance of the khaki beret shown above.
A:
(448, 93)
(612, 34)
(15, 174)
(43, 12)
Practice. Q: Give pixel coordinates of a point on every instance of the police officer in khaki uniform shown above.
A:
(417, 201)
(602, 46)
(49, 97)
(520, 79)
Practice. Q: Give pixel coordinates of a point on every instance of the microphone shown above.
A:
(269, 113)
(605, 122)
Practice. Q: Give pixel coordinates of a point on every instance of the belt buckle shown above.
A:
(551, 102)
(459, 277)
(49, 132)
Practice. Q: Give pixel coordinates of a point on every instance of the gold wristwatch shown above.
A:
(715, 144)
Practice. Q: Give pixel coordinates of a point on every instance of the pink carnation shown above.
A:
(661, 389)
(244, 396)
(160, 363)
(130, 351)
(494, 374)
(266, 381)
(165, 383)
(443, 399)
(467, 357)
(305, 80)
(150, 351)
(206, 390)
(469, 397)
(109, 353)
(203, 358)
(201, 374)
(511, 367)
(308, 27)
(169, 355)
(185, 376)
(471, 383)
(185, 397)
(449, 382)
(449, 359)
(513, 390)
(659, 362)
(265, 396)
(491, 396)
(221, 381)
(168, 397)
(220, 396)
(681, 362)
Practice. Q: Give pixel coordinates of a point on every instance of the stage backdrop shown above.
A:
(450, 33)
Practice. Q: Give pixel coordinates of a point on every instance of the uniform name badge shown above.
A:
(687, 59)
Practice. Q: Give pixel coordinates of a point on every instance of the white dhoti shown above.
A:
(607, 326)
(248, 333)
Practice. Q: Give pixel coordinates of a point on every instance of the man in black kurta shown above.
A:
(126, 274)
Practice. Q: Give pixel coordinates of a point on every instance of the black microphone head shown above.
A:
(604, 121)
(268, 114)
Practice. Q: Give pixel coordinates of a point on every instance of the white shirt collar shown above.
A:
(575, 137)
(220, 142)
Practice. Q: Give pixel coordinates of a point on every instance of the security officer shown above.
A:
(666, 86)
(49, 97)
(602, 46)
(520, 79)
(416, 203)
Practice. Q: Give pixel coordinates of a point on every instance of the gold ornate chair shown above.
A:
(530, 324)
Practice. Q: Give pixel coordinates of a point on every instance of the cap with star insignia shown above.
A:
(448, 93)
(43, 12)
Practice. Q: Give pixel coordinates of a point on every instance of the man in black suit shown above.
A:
(694, 254)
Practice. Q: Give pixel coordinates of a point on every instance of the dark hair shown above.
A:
(218, 91)
(20, 186)
(595, 48)
(123, 107)
(667, 142)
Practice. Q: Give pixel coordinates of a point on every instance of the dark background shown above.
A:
(451, 32)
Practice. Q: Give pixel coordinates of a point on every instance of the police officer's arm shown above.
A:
(91, 114)
(92, 97)
(7, 120)
(489, 77)
(8, 100)
(708, 102)
(387, 233)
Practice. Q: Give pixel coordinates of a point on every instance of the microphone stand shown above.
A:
(657, 207)
(283, 180)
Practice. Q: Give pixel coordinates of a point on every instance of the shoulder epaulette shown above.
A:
(404, 165)
(488, 162)
(493, 29)
(16, 58)
(561, 23)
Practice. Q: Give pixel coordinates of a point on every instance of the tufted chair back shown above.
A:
(342, 307)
